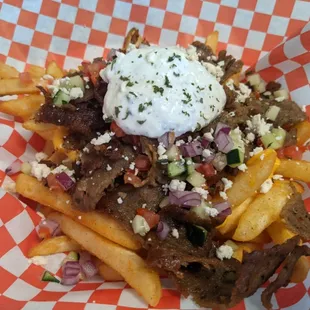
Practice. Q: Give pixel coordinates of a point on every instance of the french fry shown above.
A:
(8, 72)
(58, 137)
(236, 78)
(262, 238)
(249, 246)
(246, 184)
(54, 245)
(296, 169)
(57, 157)
(36, 71)
(23, 107)
(303, 133)
(231, 221)
(279, 234)
(101, 223)
(48, 148)
(299, 188)
(46, 131)
(15, 87)
(212, 40)
(263, 211)
(107, 273)
(45, 210)
(53, 70)
(129, 265)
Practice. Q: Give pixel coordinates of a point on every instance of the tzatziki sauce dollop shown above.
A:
(154, 90)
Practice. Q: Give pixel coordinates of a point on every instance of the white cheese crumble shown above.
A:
(105, 138)
(250, 137)
(256, 151)
(119, 200)
(39, 171)
(40, 156)
(278, 177)
(224, 251)
(63, 168)
(223, 195)
(165, 188)
(227, 184)
(242, 167)
(266, 186)
(175, 233)
(177, 185)
(161, 150)
(242, 93)
(258, 125)
(8, 97)
(140, 225)
(132, 165)
(191, 53)
(108, 168)
(206, 153)
(203, 192)
(208, 136)
(216, 71)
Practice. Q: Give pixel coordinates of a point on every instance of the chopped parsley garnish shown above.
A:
(212, 107)
(127, 114)
(217, 99)
(140, 56)
(117, 110)
(173, 66)
(176, 74)
(167, 82)
(157, 89)
(129, 84)
(188, 97)
(112, 63)
(141, 107)
(200, 88)
(210, 87)
(124, 78)
(132, 93)
(141, 122)
(185, 113)
(203, 116)
(173, 57)
(201, 100)
(148, 104)
(193, 84)
(118, 72)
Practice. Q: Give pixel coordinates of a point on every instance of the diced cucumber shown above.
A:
(235, 158)
(196, 179)
(76, 81)
(254, 79)
(176, 168)
(272, 113)
(48, 277)
(261, 87)
(281, 93)
(190, 165)
(173, 153)
(61, 98)
(197, 235)
(201, 210)
(275, 139)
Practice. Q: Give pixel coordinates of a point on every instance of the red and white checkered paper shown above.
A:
(271, 35)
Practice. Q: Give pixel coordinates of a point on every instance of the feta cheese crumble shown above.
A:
(242, 167)
(119, 200)
(278, 177)
(266, 186)
(177, 185)
(258, 125)
(103, 139)
(175, 233)
(40, 156)
(223, 195)
(227, 184)
(256, 151)
(224, 251)
(203, 192)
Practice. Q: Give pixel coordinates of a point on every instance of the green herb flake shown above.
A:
(167, 82)
(124, 78)
(201, 100)
(185, 113)
(148, 104)
(173, 66)
(141, 122)
(140, 56)
(173, 57)
(129, 84)
(141, 107)
(188, 97)
(132, 93)
(176, 74)
(117, 110)
(127, 114)
(212, 107)
(157, 89)
(200, 88)
(210, 87)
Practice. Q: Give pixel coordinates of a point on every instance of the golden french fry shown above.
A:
(296, 169)
(101, 223)
(212, 40)
(46, 131)
(130, 266)
(58, 138)
(279, 234)
(53, 70)
(48, 148)
(247, 183)
(107, 273)
(262, 238)
(15, 87)
(303, 133)
(45, 210)
(299, 188)
(54, 245)
(236, 78)
(263, 211)
(231, 221)
(8, 72)
(36, 71)
(23, 107)
(249, 246)
(57, 157)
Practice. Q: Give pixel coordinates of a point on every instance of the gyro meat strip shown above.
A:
(203, 51)
(296, 217)
(90, 189)
(285, 274)
(123, 201)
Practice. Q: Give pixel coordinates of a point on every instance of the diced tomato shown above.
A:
(94, 70)
(44, 232)
(151, 217)
(142, 163)
(118, 130)
(259, 143)
(25, 78)
(52, 182)
(293, 152)
(130, 178)
(207, 170)
(280, 153)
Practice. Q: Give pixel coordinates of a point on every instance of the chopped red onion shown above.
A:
(224, 208)
(71, 268)
(224, 142)
(185, 198)
(191, 149)
(52, 226)
(162, 230)
(65, 181)
(209, 159)
(70, 280)
(13, 168)
(84, 257)
(219, 162)
(89, 269)
(205, 143)
(222, 127)
(167, 139)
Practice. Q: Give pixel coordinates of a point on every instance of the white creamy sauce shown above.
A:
(154, 90)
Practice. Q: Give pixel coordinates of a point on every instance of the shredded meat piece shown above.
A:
(273, 86)
(203, 51)
(231, 65)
